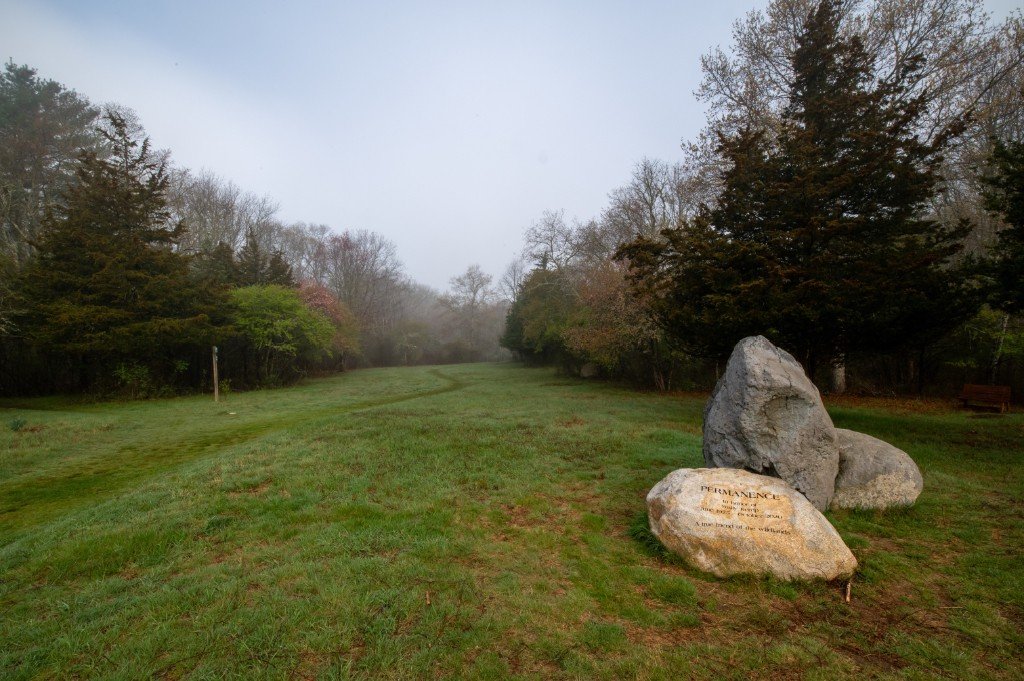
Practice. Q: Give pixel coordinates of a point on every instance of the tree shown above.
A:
(7, 300)
(474, 316)
(305, 248)
(256, 267)
(345, 341)
(818, 239)
(218, 211)
(362, 269)
(550, 243)
(972, 65)
(648, 204)
(1005, 199)
(107, 285)
(607, 325)
(217, 266)
(512, 280)
(43, 126)
(535, 322)
(277, 329)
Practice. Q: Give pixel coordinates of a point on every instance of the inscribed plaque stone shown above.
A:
(728, 521)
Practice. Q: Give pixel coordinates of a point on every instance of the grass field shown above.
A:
(482, 521)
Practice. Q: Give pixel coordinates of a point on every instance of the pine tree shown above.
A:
(278, 271)
(217, 266)
(258, 268)
(107, 286)
(43, 125)
(818, 239)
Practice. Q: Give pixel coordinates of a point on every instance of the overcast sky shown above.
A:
(447, 127)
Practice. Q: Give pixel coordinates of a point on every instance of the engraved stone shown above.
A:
(874, 474)
(765, 416)
(726, 522)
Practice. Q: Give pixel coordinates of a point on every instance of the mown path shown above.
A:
(87, 477)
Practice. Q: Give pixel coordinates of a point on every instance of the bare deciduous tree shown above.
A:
(549, 242)
(475, 313)
(218, 211)
(363, 270)
(511, 281)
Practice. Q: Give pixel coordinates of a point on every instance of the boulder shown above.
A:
(726, 522)
(765, 416)
(874, 474)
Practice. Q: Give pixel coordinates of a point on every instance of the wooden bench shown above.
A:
(987, 395)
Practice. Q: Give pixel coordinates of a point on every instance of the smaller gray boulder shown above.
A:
(874, 474)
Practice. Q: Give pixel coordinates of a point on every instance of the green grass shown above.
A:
(480, 521)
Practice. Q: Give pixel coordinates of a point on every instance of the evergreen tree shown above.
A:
(43, 126)
(217, 267)
(1005, 197)
(256, 267)
(107, 286)
(278, 271)
(818, 239)
(535, 322)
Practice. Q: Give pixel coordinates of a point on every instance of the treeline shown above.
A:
(120, 271)
(856, 197)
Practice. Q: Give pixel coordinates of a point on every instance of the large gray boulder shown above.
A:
(874, 474)
(729, 522)
(765, 416)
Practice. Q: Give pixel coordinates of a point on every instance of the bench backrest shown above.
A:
(987, 392)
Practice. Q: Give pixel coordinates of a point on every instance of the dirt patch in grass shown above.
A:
(254, 491)
(310, 665)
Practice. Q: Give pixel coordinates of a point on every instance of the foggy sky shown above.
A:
(446, 127)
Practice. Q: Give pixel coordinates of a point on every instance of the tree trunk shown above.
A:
(997, 358)
(839, 376)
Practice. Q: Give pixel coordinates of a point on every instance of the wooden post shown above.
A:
(216, 378)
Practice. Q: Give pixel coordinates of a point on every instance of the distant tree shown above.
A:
(277, 329)
(474, 315)
(43, 127)
(107, 285)
(1005, 198)
(218, 211)
(512, 280)
(422, 328)
(550, 243)
(535, 323)
(345, 341)
(818, 239)
(217, 266)
(256, 267)
(363, 270)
